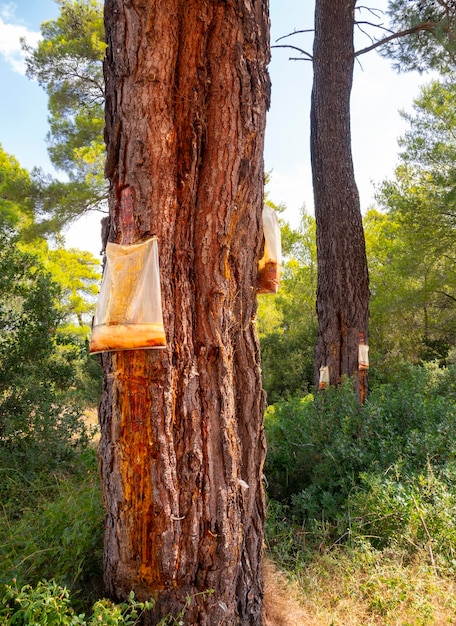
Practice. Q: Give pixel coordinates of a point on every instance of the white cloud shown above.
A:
(11, 33)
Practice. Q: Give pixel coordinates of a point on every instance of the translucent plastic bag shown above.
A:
(129, 312)
(270, 266)
(363, 356)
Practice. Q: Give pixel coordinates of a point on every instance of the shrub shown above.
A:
(413, 514)
(49, 603)
(331, 460)
(51, 527)
(39, 424)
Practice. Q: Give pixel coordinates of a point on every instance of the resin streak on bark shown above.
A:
(182, 445)
(343, 285)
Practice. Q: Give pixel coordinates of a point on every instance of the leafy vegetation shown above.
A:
(67, 63)
(49, 603)
(362, 506)
(381, 470)
(361, 510)
(287, 322)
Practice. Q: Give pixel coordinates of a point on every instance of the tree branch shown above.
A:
(375, 12)
(424, 26)
(388, 30)
(296, 32)
(309, 56)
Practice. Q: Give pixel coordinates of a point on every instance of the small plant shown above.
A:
(49, 603)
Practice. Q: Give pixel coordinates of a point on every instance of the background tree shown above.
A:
(343, 292)
(343, 284)
(431, 25)
(16, 191)
(42, 375)
(67, 63)
(420, 204)
(46, 300)
(182, 442)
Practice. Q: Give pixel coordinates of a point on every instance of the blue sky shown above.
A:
(378, 94)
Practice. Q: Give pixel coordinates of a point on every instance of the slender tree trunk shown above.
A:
(343, 285)
(182, 444)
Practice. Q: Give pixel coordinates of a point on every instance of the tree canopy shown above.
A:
(422, 34)
(67, 63)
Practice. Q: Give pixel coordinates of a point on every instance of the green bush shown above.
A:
(413, 514)
(40, 424)
(335, 464)
(51, 528)
(49, 603)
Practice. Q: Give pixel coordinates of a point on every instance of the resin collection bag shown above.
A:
(270, 266)
(129, 312)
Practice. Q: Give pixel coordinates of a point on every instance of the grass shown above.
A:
(353, 584)
(354, 589)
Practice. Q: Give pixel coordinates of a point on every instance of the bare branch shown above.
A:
(296, 32)
(388, 30)
(374, 11)
(309, 56)
(424, 26)
(365, 33)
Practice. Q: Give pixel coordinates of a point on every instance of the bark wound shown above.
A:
(126, 215)
(141, 504)
(137, 446)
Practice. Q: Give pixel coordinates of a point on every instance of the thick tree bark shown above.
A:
(182, 444)
(343, 284)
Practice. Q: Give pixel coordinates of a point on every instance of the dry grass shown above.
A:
(281, 600)
(337, 590)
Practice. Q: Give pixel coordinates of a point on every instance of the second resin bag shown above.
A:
(270, 266)
(129, 312)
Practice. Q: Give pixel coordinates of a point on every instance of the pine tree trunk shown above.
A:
(343, 284)
(182, 444)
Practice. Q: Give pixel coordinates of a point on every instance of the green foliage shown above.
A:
(39, 422)
(409, 513)
(47, 301)
(411, 247)
(16, 205)
(49, 603)
(427, 33)
(384, 470)
(67, 63)
(57, 532)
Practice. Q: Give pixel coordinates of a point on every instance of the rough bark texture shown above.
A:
(343, 285)
(182, 444)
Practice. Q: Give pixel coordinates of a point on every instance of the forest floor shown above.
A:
(356, 589)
